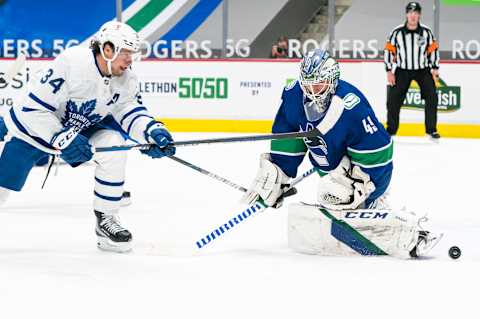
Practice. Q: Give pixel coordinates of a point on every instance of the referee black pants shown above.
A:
(397, 93)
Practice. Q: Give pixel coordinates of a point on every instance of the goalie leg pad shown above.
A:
(317, 230)
(309, 232)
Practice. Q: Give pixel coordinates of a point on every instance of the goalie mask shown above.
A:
(121, 36)
(319, 74)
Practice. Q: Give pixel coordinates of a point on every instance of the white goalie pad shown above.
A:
(313, 229)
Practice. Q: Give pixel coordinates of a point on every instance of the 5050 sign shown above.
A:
(203, 88)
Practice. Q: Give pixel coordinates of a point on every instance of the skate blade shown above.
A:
(106, 244)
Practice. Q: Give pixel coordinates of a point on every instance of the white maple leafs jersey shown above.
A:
(71, 95)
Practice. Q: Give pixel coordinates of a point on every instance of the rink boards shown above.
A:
(243, 95)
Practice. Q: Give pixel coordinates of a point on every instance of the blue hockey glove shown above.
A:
(3, 130)
(79, 151)
(162, 139)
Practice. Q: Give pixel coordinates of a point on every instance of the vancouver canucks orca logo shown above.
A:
(80, 117)
(315, 141)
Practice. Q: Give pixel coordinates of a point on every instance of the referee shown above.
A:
(411, 53)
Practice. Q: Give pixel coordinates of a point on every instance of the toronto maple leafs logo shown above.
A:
(80, 117)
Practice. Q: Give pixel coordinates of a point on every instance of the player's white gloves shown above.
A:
(269, 184)
(345, 187)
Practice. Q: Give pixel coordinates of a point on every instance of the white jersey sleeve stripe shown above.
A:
(136, 118)
(42, 103)
(135, 110)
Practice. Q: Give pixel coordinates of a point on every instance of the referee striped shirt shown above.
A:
(411, 49)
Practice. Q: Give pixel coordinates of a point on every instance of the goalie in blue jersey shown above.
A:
(353, 155)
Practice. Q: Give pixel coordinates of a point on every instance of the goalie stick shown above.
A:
(256, 207)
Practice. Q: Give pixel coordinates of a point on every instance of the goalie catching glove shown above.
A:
(345, 187)
(269, 184)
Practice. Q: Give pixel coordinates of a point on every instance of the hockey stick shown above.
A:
(14, 69)
(210, 174)
(279, 136)
(257, 207)
(291, 191)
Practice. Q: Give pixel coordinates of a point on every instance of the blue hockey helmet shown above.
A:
(319, 74)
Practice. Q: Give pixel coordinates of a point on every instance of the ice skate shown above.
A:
(111, 236)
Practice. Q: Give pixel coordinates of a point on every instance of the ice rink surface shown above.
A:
(50, 266)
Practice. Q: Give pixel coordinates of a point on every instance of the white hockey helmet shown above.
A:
(121, 35)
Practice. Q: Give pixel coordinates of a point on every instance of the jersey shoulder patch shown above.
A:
(290, 85)
(350, 101)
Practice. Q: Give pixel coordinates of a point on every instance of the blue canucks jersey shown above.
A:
(349, 127)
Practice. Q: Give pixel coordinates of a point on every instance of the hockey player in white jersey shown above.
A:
(86, 97)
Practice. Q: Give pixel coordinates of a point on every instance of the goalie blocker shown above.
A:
(314, 229)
